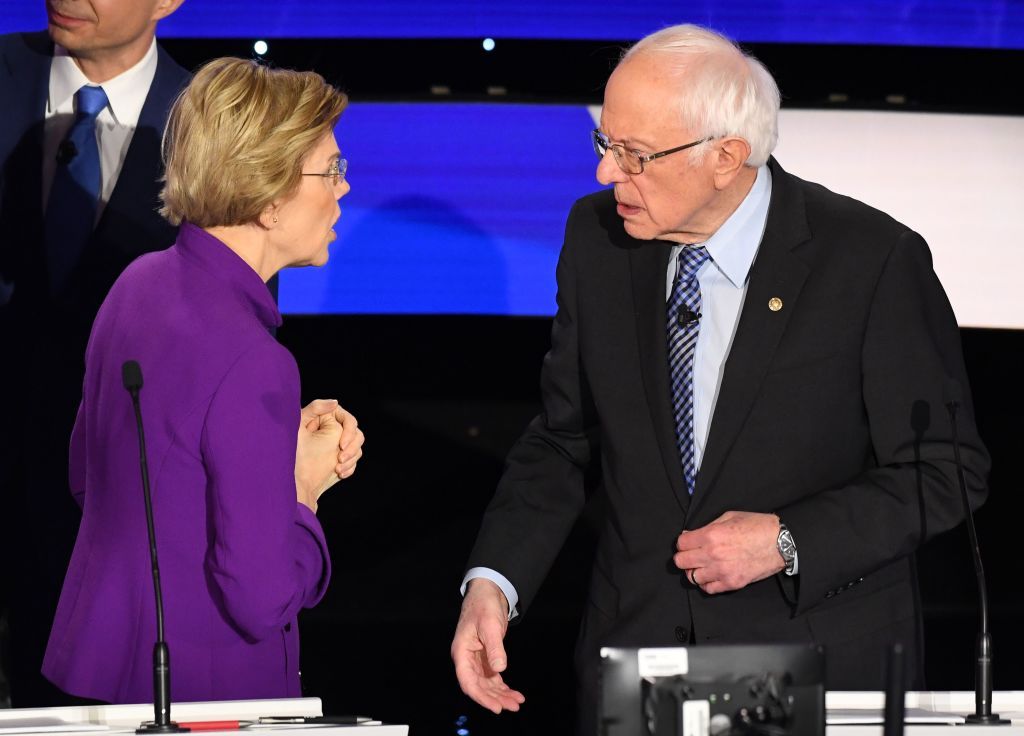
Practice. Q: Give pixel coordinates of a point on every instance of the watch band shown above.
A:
(787, 548)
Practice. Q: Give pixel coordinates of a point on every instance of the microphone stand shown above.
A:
(895, 692)
(983, 714)
(131, 374)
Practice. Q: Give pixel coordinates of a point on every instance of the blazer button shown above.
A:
(288, 627)
(682, 634)
(830, 594)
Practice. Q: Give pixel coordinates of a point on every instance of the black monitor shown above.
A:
(727, 690)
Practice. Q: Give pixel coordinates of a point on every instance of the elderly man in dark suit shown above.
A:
(759, 368)
(84, 107)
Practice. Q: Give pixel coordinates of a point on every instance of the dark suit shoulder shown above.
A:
(23, 53)
(26, 45)
(830, 213)
(594, 224)
(171, 74)
(602, 200)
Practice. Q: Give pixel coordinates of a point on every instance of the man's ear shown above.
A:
(731, 155)
(165, 7)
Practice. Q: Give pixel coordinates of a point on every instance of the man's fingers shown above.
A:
(479, 682)
(492, 693)
(691, 559)
(494, 650)
(691, 539)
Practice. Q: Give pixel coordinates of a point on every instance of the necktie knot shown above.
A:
(691, 258)
(90, 101)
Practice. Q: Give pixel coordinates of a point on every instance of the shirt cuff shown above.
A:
(498, 579)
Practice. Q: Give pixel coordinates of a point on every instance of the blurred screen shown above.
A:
(963, 23)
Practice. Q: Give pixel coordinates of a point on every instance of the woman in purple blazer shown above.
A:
(253, 175)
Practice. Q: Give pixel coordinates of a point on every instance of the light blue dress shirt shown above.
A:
(723, 286)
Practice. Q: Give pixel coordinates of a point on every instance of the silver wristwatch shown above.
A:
(787, 548)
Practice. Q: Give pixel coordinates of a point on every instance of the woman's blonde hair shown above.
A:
(236, 139)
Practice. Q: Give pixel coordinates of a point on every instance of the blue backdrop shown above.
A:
(969, 23)
(454, 208)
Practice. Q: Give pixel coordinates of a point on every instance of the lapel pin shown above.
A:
(775, 304)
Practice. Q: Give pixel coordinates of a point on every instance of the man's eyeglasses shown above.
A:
(334, 174)
(631, 162)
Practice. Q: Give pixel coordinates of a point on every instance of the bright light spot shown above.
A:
(488, 44)
(260, 47)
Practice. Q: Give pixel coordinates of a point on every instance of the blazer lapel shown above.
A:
(777, 273)
(648, 266)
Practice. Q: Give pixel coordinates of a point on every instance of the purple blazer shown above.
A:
(239, 556)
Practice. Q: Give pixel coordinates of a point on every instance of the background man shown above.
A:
(758, 366)
(79, 171)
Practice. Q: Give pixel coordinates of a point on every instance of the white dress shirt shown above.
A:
(115, 125)
(723, 287)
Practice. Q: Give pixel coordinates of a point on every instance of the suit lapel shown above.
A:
(648, 267)
(777, 273)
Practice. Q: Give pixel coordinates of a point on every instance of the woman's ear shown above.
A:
(269, 216)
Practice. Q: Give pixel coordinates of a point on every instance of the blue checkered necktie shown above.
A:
(683, 327)
(71, 208)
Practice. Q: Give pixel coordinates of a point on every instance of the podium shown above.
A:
(98, 720)
(927, 713)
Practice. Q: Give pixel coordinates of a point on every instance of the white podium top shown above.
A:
(927, 713)
(848, 714)
(120, 719)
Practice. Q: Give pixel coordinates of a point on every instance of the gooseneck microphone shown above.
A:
(983, 714)
(131, 375)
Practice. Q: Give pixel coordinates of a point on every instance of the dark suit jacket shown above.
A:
(43, 335)
(830, 413)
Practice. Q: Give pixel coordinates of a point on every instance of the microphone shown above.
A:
(983, 714)
(131, 376)
(66, 152)
(687, 317)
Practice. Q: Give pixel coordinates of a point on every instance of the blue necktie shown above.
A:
(71, 208)
(683, 327)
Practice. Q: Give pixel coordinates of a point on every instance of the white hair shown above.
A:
(725, 92)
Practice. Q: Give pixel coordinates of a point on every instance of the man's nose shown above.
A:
(608, 172)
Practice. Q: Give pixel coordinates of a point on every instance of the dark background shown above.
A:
(442, 398)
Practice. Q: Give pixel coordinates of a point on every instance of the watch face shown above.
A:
(786, 546)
